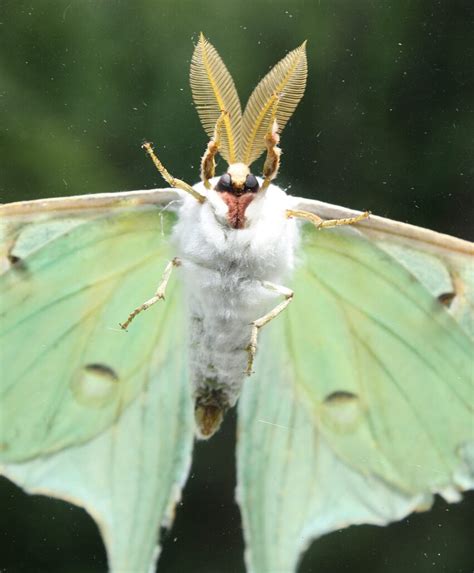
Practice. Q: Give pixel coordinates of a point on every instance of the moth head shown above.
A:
(238, 180)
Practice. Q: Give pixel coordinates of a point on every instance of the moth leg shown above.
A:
(159, 294)
(272, 139)
(265, 319)
(208, 162)
(326, 224)
(169, 178)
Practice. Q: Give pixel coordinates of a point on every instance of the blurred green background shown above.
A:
(386, 124)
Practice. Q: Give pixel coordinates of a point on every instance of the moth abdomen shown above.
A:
(210, 407)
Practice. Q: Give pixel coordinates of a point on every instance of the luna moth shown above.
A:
(345, 338)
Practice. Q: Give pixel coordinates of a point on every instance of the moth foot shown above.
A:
(251, 351)
(328, 223)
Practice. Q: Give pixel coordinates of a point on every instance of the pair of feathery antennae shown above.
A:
(244, 136)
(241, 137)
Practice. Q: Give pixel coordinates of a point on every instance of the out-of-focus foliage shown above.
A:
(385, 124)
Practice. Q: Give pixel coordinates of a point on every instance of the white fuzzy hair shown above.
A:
(223, 269)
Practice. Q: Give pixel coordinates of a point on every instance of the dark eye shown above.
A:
(251, 182)
(224, 183)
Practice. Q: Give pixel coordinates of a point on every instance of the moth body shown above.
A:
(234, 239)
(224, 270)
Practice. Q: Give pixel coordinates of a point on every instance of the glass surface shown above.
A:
(386, 125)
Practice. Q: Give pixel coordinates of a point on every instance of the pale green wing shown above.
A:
(90, 413)
(68, 280)
(130, 477)
(361, 405)
(444, 264)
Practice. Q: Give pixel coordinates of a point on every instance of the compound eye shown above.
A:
(251, 182)
(224, 183)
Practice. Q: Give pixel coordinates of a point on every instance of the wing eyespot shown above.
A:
(342, 411)
(95, 385)
(13, 259)
(447, 298)
(16, 263)
(102, 370)
(339, 397)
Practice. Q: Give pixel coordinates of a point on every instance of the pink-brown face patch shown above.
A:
(237, 205)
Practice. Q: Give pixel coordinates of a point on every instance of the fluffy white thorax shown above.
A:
(223, 270)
